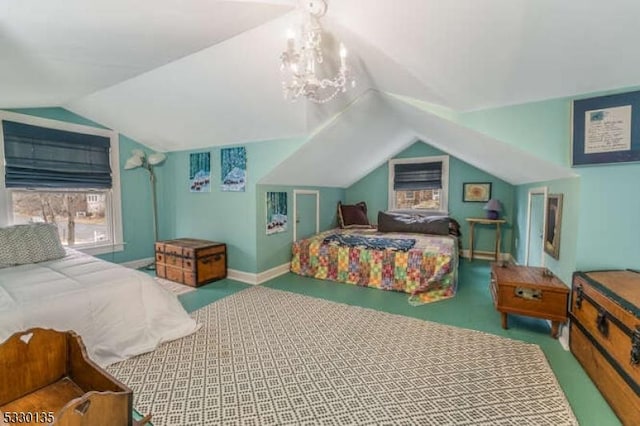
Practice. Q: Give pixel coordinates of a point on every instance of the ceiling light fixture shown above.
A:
(299, 66)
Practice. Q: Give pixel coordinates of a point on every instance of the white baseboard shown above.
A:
(487, 255)
(232, 274)
(243, 277)
(140, 263)
(255, 279)
(273, 272)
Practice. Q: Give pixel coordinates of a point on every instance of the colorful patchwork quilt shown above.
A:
(427, 271)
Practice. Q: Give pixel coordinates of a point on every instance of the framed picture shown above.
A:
(553, 225)
(476, 192)
(200, 172)
(606, 129)
(233, 165)
(277, 217)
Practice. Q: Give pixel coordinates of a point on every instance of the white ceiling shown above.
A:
(188, 74)
(53, 52)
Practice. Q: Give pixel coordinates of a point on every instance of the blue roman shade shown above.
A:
(417, 176)
(39, 157)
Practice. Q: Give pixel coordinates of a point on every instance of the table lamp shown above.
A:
(493, 209)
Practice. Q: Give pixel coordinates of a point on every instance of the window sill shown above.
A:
(102, 249)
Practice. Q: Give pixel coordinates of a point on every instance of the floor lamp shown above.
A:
(140, 159)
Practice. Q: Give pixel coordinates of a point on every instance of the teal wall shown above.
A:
(570, 188)
(135, 191)
(275, 249)
(600, 207)
(373, 189)
(540, 128)
(228, 217)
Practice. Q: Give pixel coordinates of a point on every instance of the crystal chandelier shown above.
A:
(299, 66)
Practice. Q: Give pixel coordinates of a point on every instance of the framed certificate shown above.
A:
(606, 129)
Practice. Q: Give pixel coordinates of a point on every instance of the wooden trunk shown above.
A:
(530, 291)
(47, 378)
(605, 336)
(191, 261)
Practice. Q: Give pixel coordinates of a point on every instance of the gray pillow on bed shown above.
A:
(33, 243)
(397, 222)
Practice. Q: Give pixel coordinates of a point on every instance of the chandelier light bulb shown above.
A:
(343, 51)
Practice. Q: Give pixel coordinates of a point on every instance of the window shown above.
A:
(419, 184)
(61, 173)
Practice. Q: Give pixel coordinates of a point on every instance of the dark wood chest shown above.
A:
(605, 336)
(191, 261)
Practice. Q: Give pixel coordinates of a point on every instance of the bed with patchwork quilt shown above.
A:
(423, 265)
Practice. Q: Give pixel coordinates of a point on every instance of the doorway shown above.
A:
(535, 227)
(306, 213)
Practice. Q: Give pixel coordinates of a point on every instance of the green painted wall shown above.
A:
(373, 189)
(601, 205)
(229, 217)
(275, 249)
(135, 191)
(541, 128)
(570, 188)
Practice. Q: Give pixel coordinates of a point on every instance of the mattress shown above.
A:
(119, 312)
(427, 271)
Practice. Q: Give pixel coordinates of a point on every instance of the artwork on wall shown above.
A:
(553, 227)
(606, 129)
(276, 212)
(233, 174)
(476, 192)
(200, 172)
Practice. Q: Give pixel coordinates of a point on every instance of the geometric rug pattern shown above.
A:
(269, 357)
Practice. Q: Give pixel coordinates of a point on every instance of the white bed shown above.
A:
(119, 312)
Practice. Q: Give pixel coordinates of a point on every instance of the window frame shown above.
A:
(444, 202)
(113, 195)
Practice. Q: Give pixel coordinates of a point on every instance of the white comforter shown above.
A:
(119, 312)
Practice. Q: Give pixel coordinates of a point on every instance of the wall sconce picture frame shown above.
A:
(553, 226)
(476, 192)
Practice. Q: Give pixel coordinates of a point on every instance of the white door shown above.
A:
(535, 227)
(306, 213)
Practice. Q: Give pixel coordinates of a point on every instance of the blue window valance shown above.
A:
(40, 157)
(417, 176)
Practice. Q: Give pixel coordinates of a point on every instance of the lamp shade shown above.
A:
(156, 158)
(133, 162)
(493, 204)
(493, 208)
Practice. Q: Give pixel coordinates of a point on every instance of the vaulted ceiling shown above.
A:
(190, 74)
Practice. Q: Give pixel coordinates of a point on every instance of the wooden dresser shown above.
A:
(191, 261)
(47, 378)
(529, 291)
(605, 336)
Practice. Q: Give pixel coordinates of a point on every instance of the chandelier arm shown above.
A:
(299, 65)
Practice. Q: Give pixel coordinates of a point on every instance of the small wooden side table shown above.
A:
(529, 291)
(472, 222)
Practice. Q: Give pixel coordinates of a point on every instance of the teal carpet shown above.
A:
(471, 308)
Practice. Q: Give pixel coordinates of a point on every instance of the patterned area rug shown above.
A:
(269, 357)
(173, 286)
